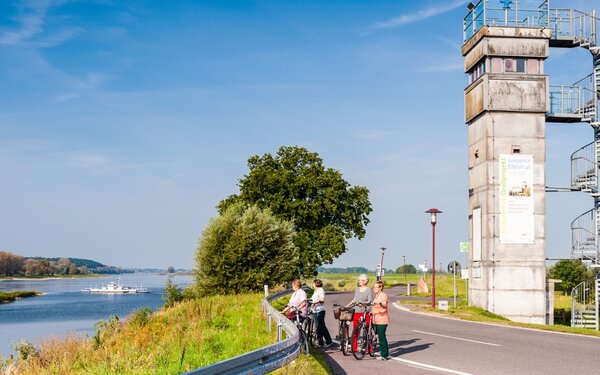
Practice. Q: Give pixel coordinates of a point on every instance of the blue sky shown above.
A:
(123, 123)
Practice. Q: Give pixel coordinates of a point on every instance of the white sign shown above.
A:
(476, 271)
(464, 274)
(422, 268)
(464, 247)
(516, 198)
(443, 305)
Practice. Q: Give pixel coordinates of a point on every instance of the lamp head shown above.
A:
(433, 212)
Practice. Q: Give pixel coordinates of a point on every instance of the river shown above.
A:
(64, 308)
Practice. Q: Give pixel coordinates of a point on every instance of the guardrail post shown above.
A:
(269, 321)
(278, 330)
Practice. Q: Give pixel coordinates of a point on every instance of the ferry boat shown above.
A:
(115, 287)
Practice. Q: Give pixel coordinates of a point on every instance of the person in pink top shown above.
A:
(381, 319)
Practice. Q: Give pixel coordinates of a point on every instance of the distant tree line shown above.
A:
(16, 265)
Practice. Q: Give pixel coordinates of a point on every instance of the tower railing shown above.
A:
(513, 13)
(584, 168)
(583, 236)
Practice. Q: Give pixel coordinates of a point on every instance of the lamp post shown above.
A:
(404, 266)
(380, 276)
(433, 212)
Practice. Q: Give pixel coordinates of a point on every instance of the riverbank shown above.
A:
(42, 278)
(6, 297)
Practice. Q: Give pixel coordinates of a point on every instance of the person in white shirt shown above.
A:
(318, 299)
(298, 299)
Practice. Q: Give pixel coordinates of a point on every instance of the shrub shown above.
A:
(173, 294)
(342, 283)
(328, 286)
(25, 349)
(244, 249)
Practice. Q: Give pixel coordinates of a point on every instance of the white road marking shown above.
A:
(424, 365)
(400, 307)
(456, 338)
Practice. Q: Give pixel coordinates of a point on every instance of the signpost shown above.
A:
(465, 247)
(454, 267)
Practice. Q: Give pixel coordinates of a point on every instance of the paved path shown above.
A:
(425, 344)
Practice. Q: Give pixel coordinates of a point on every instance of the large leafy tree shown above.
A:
(325, 209)
(243, 249)
(571, 272)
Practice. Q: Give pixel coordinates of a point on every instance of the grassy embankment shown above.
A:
(189, 335)
(444, 289)
(6, 297)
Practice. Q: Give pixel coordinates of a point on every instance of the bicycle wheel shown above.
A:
(345, 341)
(360, 332)
(372, 341)
(303, 343)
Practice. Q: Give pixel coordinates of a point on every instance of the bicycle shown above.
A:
(295, 317)
(364, 334)
(309, 326)
(344, 315)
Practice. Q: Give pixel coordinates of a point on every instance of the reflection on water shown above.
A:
(65, 309)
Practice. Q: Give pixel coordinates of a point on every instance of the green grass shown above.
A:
(6, 297)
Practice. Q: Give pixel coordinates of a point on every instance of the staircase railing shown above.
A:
(583, 236)
(572, 101)
(573, 25)
(584, 168)
(584, 298)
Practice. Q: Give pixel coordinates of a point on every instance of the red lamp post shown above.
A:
(433, 212)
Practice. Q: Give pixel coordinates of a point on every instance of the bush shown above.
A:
(244, 249)
(342, 283)
(173, 294)
(140, 317)
(25, 349)
(328, 286)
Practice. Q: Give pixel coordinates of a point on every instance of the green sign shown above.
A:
(464, 247)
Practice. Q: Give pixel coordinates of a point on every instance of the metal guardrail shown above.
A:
(266, 359)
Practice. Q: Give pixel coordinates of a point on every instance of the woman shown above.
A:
(362, 294)
(381, 319)
(318, 298)
(298, 299)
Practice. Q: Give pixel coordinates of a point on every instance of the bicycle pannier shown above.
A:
(347, 314)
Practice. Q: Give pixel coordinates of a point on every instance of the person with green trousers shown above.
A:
(381, 318)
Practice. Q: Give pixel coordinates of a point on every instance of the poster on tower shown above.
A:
(516, 198)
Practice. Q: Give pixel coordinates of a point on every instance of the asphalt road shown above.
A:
(426, 344)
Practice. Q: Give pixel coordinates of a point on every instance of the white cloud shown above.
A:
(66, 97)
(32, 22)
(442, 68)
(92, 162)
(420, 15)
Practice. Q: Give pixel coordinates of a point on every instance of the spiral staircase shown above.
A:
(579, 103)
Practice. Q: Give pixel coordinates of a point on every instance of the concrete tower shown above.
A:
(505, 106)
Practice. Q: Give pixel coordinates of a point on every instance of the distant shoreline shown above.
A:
(51, 278)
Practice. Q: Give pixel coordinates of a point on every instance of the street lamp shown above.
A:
(433, 212)
(380, 276)
(404, 266)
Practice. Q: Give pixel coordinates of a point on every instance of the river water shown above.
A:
(65, 309)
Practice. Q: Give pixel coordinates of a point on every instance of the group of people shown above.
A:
(375, 298)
